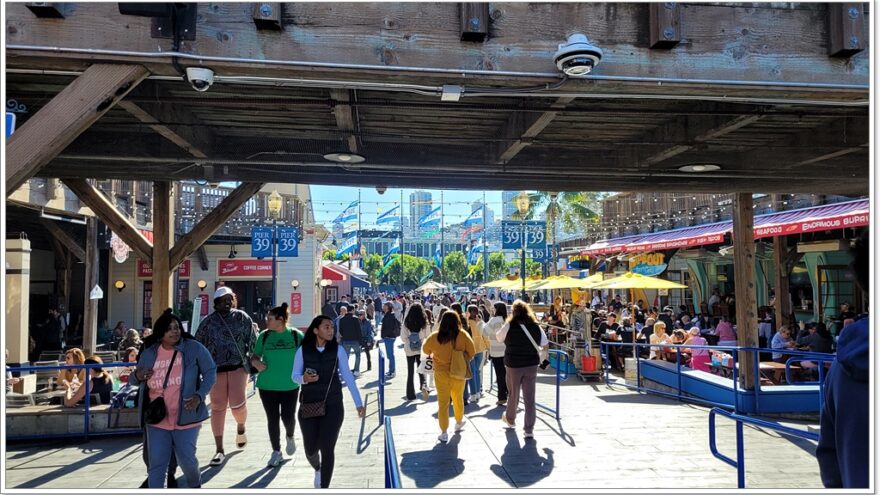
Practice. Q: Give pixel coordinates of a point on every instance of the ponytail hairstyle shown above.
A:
(102, 373)
(280, 312)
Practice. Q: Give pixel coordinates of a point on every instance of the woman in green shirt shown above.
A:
(273, 357)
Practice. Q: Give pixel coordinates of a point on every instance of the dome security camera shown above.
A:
(200, 78)
(381, 189)
(577, 56)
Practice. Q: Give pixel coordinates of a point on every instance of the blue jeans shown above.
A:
(389, 352)
(183, 442)
(473, 385)
(378, 318)
(355, 347)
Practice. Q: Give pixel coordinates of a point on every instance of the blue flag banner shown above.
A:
(395, 248)
(349, 213)
(475, 250)
(432, 218)
(475, 218)
(348, 245)
(392, 215)
(438, 260)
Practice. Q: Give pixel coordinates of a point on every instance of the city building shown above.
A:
(508, 204)
(420, 204)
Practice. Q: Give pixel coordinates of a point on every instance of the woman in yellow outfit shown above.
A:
(442, 344)
(481, 345)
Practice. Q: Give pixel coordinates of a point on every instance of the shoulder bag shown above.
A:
(155, 411)
(538, 348)
(459, 368)
(319, 408)
(244, 362)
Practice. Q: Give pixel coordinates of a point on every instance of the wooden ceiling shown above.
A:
(613, 135)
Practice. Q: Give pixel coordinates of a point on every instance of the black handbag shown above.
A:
(318, 408)
(155, 410)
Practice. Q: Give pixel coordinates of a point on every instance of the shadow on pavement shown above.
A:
(633, 398)
(522, 464)
(99, 455)
(209, 472)
(559, 432)
(364, 441)
(260, 479)
(429, 468)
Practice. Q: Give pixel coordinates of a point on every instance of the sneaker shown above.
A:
(425, 394)
(389, 375)
(276, 459)
(444, 438)
(475, 398)
(528, 434)
(459, 426)
(357, 374)
(317, 478)
(218, 459)
(507, 422)
(291, 445)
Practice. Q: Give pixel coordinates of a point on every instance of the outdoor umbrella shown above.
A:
(430, 286)
(632, 281)
(503, 283)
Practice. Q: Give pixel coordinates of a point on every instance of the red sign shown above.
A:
(832, 223)
(244, 268)
(144, 270)
(296, 303)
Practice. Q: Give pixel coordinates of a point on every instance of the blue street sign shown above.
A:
(511, 234)
(261, 242)
(539, 255)
(288, 242)
(10, 123)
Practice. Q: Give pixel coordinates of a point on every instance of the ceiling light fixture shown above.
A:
(344, 157)
(700, 167)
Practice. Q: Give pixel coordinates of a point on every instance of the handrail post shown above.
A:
(638, 368)
(735, 382)
(88, 402)
(678, 368)
(740, 457)
(381, 386)
(757, 378)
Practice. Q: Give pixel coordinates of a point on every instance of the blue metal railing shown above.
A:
(561, 376)
(820, 360)
(735, 353)
(392, 468)
(739, 463)
(382, 379)
(86, 399)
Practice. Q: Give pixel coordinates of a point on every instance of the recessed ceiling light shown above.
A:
(344, 157)
(700, 167)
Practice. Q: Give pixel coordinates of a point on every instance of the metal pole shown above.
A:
(442, 239)
(485, 247)
(400, 255)
(522, 265)
(274, 259)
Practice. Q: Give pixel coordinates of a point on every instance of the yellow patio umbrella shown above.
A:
(503, 283)
(632, 281)
(430, 286)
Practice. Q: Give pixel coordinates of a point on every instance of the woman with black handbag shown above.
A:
(317, 366)
(175, 375)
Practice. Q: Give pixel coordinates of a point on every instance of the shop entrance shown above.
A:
(253, 298)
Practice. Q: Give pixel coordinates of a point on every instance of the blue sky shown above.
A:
(329, 201)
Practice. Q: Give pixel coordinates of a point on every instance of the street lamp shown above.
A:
(274, 206)
(522, 206)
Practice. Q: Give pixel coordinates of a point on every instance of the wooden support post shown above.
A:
(72, 111)
(90, 307)
(65, 240)
(846, 29)
(474, 21)
(744, 276)
(107, 212)
(162, 236)
(187, 244)
(665, 24)
(783, 298)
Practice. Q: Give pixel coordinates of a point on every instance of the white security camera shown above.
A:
(200, 78)
(577, 56)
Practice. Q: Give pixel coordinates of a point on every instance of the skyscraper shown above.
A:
(508, 206)
(419, 206)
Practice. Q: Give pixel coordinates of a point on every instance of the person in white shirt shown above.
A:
(496, 349)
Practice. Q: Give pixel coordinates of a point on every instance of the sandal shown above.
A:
(218, 459)
(241, 440)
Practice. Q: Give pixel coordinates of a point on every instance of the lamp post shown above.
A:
(274, 206)
(522, 206)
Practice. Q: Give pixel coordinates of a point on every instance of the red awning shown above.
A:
(330, 272)
(826, 217)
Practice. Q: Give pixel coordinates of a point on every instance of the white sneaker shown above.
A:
(444, 438)
(357, 374)
(459, 426)
(291, 445)
(317, 478)
(528, 434)
(276, 459)
(425, 394)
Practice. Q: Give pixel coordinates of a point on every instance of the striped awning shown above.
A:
(817, 218)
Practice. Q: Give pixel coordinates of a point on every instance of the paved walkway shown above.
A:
(608, 437)
(116, 462)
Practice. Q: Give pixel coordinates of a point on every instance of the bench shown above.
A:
(51, 420)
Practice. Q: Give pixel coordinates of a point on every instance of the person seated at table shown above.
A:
(624, 334)
(130, 355)
(658, 337)
(678, 337)
(102, 384)
(700, 358)
(132, 339)
(725, 332)
(609, 325)
(818, 340)
(72, 378)
(782, 340)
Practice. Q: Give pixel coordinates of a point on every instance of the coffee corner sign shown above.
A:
(144, 270)
(239, 268)
(648, 264)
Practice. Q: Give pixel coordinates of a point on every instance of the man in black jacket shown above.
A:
(329, 310)
(350, 338)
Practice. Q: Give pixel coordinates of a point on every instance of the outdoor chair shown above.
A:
(18, 400)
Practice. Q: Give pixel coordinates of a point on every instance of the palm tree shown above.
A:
(574, 210)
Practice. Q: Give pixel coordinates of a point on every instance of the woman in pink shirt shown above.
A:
(726, 334)
(699, 357)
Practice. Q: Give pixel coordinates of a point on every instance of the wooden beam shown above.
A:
(665, 24)
(846, 29)
(713, 132)
(194, 140)
(187, 244)
(522, 127)
(65, 239)
(744, 281)
(163, 225)
(107, 212)
(474, 21)
(783, 298)
(64, 118)
(90, 306)
(345, 118)
(267, 15)
(202, 256)
(829, 156)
